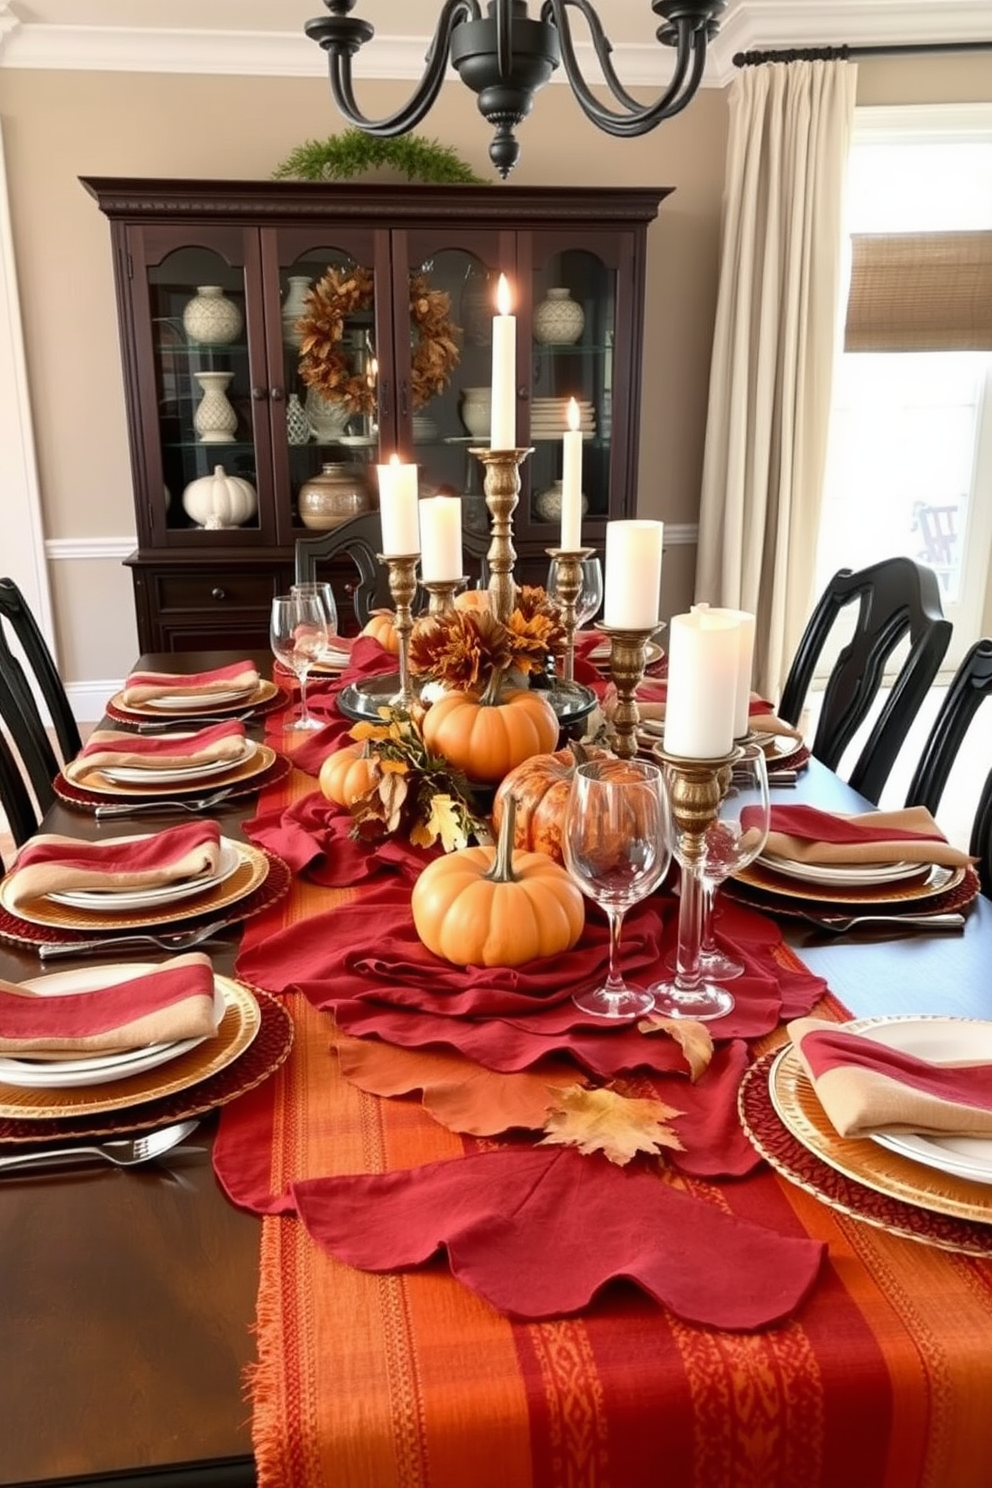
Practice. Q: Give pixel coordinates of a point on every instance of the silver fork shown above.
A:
(128, 808)
(840, 924)
(123, 1152)
(168, 940)
(163, 725)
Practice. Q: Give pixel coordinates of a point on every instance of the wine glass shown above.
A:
(737, 839)
(732, 838)
(615, 838)
(325, 594)
(298, 636)
(590, 596)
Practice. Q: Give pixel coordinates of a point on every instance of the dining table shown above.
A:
(138, 1349)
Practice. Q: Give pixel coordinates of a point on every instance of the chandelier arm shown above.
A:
(555, 11)
(677, 95)
(419, 105)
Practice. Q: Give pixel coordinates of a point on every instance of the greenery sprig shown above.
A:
(353, 153)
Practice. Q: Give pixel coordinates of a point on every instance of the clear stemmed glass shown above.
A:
(738, 837)
(616, 837)
(325, 594)
(590, 595)
(733, 838)
(298, 636)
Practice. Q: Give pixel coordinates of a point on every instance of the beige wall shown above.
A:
(60, 125)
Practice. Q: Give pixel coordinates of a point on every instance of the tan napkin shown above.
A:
(49, 863)
(113, 749)
(174, 1001)
(807, 835)
(142, 687)
(650, 697)
(865, 1087)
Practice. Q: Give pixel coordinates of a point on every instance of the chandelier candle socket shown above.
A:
(700, 707)
(632, 585)
(399, 508)
(503, 425)
(745, 662)
(571, 481)
(441, 539)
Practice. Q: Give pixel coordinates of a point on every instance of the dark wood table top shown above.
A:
(127, 1298)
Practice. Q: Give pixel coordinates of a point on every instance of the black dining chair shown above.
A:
(18, 708)
(896, 599)
(360, 538)
(15, 801)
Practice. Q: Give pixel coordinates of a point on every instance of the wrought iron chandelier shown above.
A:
(505, 57)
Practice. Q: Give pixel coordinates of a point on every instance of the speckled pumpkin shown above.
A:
(540, 787)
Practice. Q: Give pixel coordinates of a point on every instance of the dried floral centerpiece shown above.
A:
(350, 291)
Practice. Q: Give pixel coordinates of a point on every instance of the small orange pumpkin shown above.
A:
(486, 740)
(540, 787)
(472, 599)
(489, 906)
(347, 775)
(380, 626)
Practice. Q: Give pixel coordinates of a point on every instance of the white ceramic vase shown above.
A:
(547, 504)
(327, 420)
(215, 420)
(558, 320)
(297, 423)
(476, 411)
(211, 318)
(293, 306)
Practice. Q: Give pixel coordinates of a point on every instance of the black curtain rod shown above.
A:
(844, 53)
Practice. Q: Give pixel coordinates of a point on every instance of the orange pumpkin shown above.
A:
(380, 627)
(472, 599)
(347, 775)
(486, 740)
(540, 787)
(489, 906)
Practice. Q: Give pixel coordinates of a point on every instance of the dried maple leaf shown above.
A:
(445, 820)
(619, 1126)
(694, 1037)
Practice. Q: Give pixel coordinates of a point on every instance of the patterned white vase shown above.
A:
(293, 306)
(297, 423)
(558, 320)
(211, 318)
(327, 420)
(214, 420)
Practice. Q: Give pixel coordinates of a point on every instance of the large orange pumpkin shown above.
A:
(380, 626)
(347, 775)
(486, 740)
(489, 906)
(540, 787)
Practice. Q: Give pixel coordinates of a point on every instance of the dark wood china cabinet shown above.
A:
(216, 385)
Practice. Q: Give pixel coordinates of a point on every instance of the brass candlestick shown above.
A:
(402, 588)
(568, 587)
(502, 488)
(442, 594)
(695, 790)
(628, 655)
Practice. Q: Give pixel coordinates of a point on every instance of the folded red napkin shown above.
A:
(538, 1233)
(118, 748)
(368, 659)
(864, 1086)
(50, 863)
(805, 834)
(173, 1001)
(238, 676)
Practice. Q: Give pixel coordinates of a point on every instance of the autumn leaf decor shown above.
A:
(470, 650)
(605, 1121)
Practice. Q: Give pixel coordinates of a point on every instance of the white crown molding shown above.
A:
(751, 25)
(62, 549)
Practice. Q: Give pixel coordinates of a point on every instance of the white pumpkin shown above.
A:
(220, 500)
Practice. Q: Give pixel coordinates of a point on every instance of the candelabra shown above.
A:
(568, 587)
(442, 594)
(402, 587)
(695, 791)
(502, 490)
(628, 656)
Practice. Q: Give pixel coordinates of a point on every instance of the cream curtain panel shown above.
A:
(778, 329)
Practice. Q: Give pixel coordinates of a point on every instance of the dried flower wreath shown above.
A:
(344, 292)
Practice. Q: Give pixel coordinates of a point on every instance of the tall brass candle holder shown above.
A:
(442, 594)
(568, 587)
(402, 588)
(628, 657)
(695, 791)
(502, 489)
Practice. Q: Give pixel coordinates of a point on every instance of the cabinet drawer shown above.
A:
(228, 589)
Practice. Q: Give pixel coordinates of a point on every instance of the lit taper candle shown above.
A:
(398, 508)
(503, 428)
(571, 482)
(441, 539)
(701, 695)
(632, 584)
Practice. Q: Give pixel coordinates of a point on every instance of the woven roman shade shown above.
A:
(920, 292)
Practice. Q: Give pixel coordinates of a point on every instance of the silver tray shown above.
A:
(362, 700)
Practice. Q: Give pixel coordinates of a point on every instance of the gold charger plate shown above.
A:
(251, 872)
(264, 693)
(255, 763)
(239, 1025)
(908, 892)
(800, 1111)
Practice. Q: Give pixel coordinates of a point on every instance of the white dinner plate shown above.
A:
(148, 775)
(97, 1069)
(125, 899)
(846, 875)
(177, 702)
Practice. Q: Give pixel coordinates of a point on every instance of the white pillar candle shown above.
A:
(701, 694)
(571, 482)
(441, 539)
(632, 584)
(503, 426)
(745, 662)
(398, 508)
